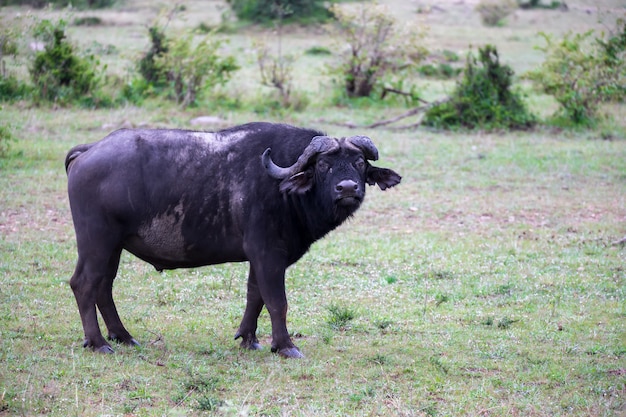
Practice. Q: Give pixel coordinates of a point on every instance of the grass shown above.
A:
(487, 283)
(480, 285)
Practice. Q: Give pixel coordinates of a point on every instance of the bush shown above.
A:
(538, 4)
(10, 87)
(318, 50)
(441, 70)
(193, 68)
(276, 71)
(87, 21)
(613, 57)
(581, 71)
(57, 72)
(483, 98)
(376, 47)
(493, 12)
(261, 11)
(148, 68)
(13, 89)
(6, 137)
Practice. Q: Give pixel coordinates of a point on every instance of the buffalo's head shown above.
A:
(336, 168)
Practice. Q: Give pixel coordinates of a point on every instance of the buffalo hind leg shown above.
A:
(254, 305)
(84, 284)
(106, 305)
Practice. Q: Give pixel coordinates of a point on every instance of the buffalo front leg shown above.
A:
(254, 305)
(271, 282)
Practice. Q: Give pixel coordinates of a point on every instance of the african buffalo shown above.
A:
(259, 192)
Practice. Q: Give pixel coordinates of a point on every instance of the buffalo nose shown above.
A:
(347, 186)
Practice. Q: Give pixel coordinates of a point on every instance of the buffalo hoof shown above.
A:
(133, 342)
(248, 343)
(251, 346)
(289, 353)
(106, 349)
(129, 342)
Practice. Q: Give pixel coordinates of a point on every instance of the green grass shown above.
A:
(480, 284)
(486, 283)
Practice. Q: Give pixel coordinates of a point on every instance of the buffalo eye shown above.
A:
(360, 164)
(322, 165)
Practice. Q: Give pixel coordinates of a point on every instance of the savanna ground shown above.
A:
(488, 283)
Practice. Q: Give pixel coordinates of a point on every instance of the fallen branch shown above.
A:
(412, 112)
(622, 241)
(399, 92)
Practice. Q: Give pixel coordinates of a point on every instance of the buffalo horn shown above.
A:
(366, 145)
(318, 144)
(272, 169)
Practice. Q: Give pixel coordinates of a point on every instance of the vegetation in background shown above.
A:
(151, 72)
(613, 57)
(79, 4)
(539, 4)
(441, 65)
(483, 98)
(263, 11)
(8, 46)
(493, 12)
(58, 73)
(11, 88)
(491, 281)
(376, 47)
(194, 68)
(318, 50)
(181, 67)
(276, 71)
(581, 71)
(6, 138)
(87, 21)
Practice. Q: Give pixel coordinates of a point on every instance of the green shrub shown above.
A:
(260, 11)
(13, 89)
(318, 50)
(538, 4)
(613, 57)
(483, 98)
(153, 73)
(493, 12)
(6, 137)
(10, 87)
(450, 56)
(442, 70)
(58, 73)
(136, 90)
(276, 71)
(193, 68)
(581, 71)
(87, 21)
(377, 47)
(440, 65)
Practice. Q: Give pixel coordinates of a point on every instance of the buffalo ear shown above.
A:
(299, 183)
(384, 177)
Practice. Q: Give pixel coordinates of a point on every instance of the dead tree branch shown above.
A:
(414, 111)
(621, 241)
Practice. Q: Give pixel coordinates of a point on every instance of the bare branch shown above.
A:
(385, 122)
(622, 242)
